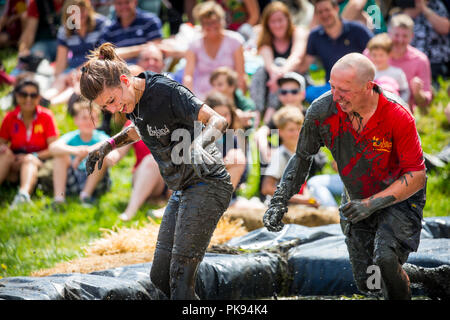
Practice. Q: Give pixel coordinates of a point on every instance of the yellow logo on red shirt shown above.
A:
(381, 145)
(38, 129)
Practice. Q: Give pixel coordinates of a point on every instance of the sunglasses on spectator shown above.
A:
(291, 91)
(26, 95)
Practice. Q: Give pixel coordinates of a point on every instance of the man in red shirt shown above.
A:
(374, 141)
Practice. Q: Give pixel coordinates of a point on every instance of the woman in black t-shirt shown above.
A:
(180, 131)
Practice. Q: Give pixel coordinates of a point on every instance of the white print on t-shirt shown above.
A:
(158, 132)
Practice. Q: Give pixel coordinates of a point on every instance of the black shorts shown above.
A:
(395, 228)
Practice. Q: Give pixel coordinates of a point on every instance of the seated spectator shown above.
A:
(151, 58)
(380, 47)
(25, 136)
(365, 11)
(216, 47)
(412, 61)
(233, 155)
(431, 34)
(40, 30)
(224, 80)
(278, 40)
(11, 22)
(291, 92)
(74, 44)
(239, 13)
(131, 30)
(147, 181)
(289, 121)
(330, 41)
(69, 163)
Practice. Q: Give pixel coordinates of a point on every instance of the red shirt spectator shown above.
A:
(22, 140)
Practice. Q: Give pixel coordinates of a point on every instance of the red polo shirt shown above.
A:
(43, 127)
(369, 162)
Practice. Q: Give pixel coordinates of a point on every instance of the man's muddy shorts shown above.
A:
(191, 217)
(393, 229)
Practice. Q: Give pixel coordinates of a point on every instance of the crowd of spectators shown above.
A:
(252, 61)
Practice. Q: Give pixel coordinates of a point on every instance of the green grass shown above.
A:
(34, 237)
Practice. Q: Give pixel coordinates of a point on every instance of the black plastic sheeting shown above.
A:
(232, 277)
(318, 264)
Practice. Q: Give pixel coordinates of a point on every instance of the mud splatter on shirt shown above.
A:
(385, 149)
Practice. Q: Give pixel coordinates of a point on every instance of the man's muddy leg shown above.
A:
(398, 234)
(395, 281)
(359, 240)
(160, 271)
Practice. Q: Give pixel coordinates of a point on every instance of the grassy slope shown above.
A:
(35, 237)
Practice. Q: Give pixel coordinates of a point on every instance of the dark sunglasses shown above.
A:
(26, 94)
(292, 91)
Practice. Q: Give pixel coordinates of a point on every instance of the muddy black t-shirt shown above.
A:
(165, 117)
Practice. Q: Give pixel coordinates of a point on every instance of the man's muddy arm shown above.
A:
(294, 176)
(400, 190)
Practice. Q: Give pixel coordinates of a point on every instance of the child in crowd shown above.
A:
(380, 47)
(69, 164)
(291, 92)
(225, 80)
(289, 121)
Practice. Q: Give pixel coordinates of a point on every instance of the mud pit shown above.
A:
(297, 263)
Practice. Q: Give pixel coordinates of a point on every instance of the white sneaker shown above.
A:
(124, 217)
(20, 198)
(157, 213)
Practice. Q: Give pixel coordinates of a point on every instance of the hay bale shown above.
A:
(125, 246)
(297, 214)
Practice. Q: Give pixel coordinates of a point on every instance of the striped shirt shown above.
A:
(145, 27)
(78, 46)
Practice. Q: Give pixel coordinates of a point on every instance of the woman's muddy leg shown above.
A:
(200, 210)
(160, 271)
(183, 272)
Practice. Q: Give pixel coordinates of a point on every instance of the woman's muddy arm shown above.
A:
(128, 135)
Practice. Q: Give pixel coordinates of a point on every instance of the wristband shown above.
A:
(112, 142)
(35, 154)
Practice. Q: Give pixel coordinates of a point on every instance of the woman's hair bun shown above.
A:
(106, 52)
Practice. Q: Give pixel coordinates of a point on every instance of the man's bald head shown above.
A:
(364, 68)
